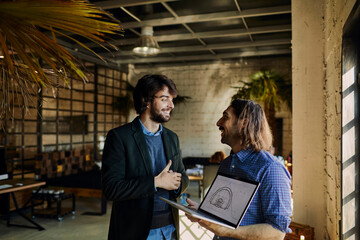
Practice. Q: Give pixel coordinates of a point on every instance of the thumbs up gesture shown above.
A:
(168, 179)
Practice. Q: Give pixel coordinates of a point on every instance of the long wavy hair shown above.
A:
(253, 127)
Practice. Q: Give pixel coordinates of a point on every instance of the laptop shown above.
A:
(225, 203)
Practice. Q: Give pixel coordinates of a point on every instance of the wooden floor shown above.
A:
(71, 227)
(86, 227)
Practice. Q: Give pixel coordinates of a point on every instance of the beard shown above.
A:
(224, 140)
(158, 117)
(231, 135)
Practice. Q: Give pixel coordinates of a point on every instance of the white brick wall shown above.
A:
(317, 29)
(210, 89)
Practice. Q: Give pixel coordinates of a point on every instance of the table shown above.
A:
(200, 179)
(83, 184)
(49, 197)
(19, 185)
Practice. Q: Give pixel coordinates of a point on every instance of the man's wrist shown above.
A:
(227, 233)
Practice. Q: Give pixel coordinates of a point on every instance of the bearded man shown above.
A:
(142, 161)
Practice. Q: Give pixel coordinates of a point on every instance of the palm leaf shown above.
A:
(267, 87)
(26, 49)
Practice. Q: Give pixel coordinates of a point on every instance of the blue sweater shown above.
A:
(158, 160)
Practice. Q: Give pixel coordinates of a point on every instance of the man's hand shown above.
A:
(215, 228)
(168, 179)
(193, 205)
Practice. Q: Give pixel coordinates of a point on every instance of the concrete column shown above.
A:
(309, 178)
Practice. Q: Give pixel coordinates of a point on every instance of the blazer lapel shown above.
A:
(142, 146)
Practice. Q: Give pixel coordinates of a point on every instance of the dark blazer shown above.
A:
(128, 181)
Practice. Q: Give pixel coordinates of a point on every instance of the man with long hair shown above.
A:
(245, 129)
(142, 161)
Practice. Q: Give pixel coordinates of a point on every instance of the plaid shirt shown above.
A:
(272, 202)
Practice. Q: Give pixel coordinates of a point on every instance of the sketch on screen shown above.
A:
(228, 198)
(222, 198)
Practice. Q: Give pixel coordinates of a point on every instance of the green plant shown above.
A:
(26, 48)
(267, 87)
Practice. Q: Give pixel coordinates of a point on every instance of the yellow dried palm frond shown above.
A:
(25, 48)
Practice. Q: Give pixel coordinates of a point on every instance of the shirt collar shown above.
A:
(147, 132)
(243, 154)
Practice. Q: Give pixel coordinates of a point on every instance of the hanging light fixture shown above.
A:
(147, 44)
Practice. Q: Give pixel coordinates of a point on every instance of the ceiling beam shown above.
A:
(223, 33)
(204, 57)
(127, 3)
(207, 47)
(73, 50)
(94, 59)
(250, 44)
(211, 34)
(210, 17)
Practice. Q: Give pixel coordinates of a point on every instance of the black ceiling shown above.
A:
(200, 30)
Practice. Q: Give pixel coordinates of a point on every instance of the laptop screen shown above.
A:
(228, 198)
